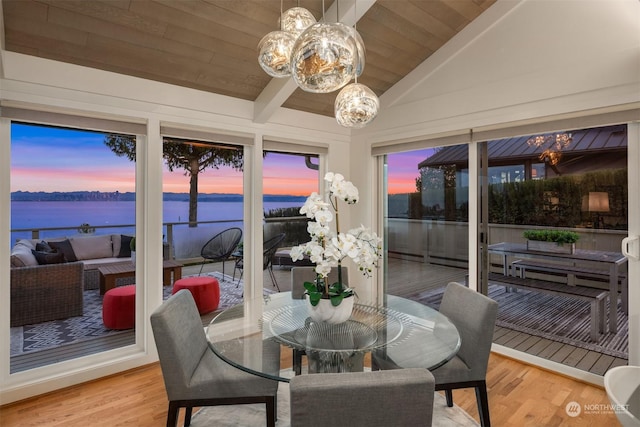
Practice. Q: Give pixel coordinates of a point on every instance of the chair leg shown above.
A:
(273, 278)
(187, 416)
(271, 411)
(201, 265)
(172, 414)
(297, 362)
(449, 395)
(483, 404)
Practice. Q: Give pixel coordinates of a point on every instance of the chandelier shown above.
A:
(552, 145)
(321, 57)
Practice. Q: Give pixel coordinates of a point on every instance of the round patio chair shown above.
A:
(221, 246)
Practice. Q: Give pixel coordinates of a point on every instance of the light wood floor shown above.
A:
(519, 395)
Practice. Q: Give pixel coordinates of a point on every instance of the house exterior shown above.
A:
(504, 75)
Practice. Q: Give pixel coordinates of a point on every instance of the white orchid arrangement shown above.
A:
(327, 248)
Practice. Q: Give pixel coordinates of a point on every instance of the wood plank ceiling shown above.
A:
(211, 44)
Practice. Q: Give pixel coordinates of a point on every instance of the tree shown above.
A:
(192, 156)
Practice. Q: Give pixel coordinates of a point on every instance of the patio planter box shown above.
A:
(552, 247)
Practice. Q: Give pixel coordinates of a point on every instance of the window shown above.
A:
(72, 212)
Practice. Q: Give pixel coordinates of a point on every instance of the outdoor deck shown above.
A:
(408, 280)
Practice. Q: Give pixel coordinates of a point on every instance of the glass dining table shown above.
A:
(400, 333)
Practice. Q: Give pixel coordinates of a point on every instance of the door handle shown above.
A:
(630, 247)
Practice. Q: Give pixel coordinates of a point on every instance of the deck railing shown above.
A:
(176, 233)
(430, 241)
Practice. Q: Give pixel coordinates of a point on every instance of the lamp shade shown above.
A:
(598, 201)
(361, 52)
(356, 105)
(296, 20)
(274, 53)
(324, 57)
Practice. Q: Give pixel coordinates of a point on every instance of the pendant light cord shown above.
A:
(355, 28)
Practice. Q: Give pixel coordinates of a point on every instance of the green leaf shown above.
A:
(310, 287)
(314, 297)
(336, 300)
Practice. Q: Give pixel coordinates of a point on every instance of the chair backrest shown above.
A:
(398, 397)
(269, 249)
(299, 275)
(222, 244)
(180, 340)
(474, 315)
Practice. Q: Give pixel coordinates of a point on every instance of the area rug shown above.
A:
(556, 318)
(254, 414)
(46, 335)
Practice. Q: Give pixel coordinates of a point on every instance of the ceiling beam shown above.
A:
(278, 90)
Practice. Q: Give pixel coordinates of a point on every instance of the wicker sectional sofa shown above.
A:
(46, 292)
(49, 285)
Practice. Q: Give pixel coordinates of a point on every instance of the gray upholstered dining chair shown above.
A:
(193, 374)
(299, 275)
(474, 315)
(399, 397)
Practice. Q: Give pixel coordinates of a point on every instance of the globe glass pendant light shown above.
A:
(296, 20)
(356, 106)
(361, 51)
(274, 53)
(324, 57)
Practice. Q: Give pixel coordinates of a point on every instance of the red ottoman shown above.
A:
(205, 291)
(119, 307)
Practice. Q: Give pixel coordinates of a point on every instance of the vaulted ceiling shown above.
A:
(211, 44)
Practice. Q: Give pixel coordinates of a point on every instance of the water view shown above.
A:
(115, 214)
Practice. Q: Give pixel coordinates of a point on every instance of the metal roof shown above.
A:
(512, 150)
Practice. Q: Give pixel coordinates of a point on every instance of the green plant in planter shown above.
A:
(335, 292)
(559, 237)
(132, 244)
(86, 228)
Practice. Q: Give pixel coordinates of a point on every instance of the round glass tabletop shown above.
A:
(400, 334)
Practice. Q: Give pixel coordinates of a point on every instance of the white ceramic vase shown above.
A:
(133, 257)
(326, 312)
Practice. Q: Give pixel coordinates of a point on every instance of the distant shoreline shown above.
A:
(94, 196)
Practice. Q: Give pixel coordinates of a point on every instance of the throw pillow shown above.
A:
(64, 246)
(43, 247)
(48, 257)
(22, 250)
(125, 246)
(16, 261)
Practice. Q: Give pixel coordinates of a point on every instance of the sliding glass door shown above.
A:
(426, 223)
(573, 183)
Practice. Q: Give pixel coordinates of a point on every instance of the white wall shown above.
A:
(519, 60)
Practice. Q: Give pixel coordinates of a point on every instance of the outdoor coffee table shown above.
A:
(111, 272)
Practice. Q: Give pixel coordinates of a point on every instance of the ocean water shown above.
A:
(115, 215)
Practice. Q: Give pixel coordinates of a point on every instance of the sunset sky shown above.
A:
(53, 159)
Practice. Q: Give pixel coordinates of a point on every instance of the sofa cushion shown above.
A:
(125, 246)
(65, 247)
(45, 258)
(91, 247)
(93, 264)
(21, 255)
